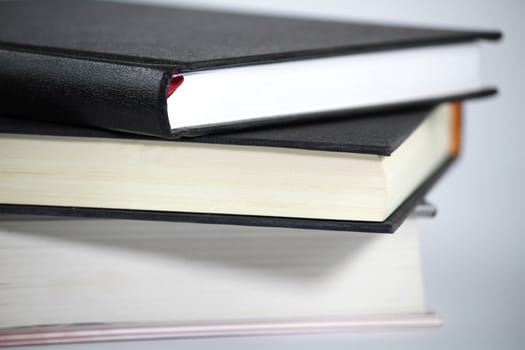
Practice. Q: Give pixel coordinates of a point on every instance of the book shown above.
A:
(169, 72)
(94, 280)
(357, 174)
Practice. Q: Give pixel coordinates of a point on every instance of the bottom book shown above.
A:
(78, 280)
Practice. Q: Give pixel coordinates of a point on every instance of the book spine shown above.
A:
(95, 93)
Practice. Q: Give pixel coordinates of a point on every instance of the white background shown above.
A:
(472, 252)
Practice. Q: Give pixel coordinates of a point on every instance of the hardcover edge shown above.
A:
(461, 37)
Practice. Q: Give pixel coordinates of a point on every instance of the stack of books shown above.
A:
(169, 172)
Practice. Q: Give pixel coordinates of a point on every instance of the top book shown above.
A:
(171, 72)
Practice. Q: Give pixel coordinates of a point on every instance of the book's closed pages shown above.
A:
(99, 280)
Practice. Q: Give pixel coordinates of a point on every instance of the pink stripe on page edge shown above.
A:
(92, 333)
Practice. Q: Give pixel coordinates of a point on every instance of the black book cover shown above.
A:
(109, 65)
(372, 134)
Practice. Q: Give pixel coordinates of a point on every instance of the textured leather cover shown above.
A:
(374, 133)
(192, 39)
(89, 93)
(108, 64)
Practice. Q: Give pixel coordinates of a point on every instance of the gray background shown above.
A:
(472, 251)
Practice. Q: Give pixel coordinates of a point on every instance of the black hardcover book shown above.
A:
(166, 71)
(364, 173)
